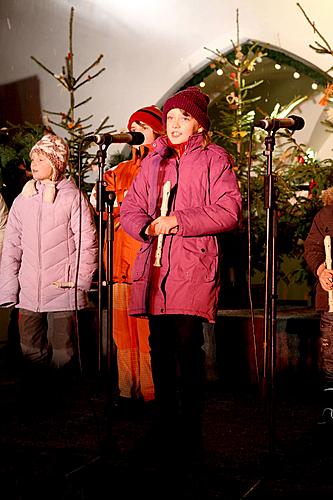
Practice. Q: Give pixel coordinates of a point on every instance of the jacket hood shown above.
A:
(49, 189)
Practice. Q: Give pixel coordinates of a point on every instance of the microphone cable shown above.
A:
(254, 337)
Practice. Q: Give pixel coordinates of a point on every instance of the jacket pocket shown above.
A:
(140, 266)
(199, 262)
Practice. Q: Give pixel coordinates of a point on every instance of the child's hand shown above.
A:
(164, 225)
(325, 278)
(64, 284)
(93, 197)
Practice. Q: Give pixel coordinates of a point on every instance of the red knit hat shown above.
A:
(193, 101)
(150, 115)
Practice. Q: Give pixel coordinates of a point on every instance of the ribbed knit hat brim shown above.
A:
(150, 115)
(193, 101)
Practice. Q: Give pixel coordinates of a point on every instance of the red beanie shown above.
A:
(193, 101)
(150, 115)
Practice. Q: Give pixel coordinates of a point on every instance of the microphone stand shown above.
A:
(108, 200)
(110, 446)
(270, 289)
(100, 207)
(101, 201)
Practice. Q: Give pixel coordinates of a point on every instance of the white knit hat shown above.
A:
(56, 150)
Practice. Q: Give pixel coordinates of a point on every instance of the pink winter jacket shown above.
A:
(206, 200)
(41, 247)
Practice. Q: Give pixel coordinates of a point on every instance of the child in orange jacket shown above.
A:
(130, 334)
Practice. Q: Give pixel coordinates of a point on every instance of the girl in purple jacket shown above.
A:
(49, 257)
(176, 272)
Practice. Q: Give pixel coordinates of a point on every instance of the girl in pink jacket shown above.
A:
(182, 291)
(49, 257)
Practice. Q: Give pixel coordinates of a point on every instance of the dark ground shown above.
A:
(57, 448)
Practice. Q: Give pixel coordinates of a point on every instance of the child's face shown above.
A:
(145, 130)
(41, 167)
(180, 126)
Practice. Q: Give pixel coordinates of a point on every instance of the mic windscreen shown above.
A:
(298, 122)
(137, 138)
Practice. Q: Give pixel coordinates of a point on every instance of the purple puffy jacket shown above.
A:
(206, 200)
(41, 247)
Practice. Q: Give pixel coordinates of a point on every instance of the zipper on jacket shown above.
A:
(172, 207)
(39, 252)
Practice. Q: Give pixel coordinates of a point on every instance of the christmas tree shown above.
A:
(76, 127)
(299, 175)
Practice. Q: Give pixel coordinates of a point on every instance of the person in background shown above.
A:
(130, 335)
(3, 221)
(182, 292)
(48, 261)
(4, 314)
(315, 257)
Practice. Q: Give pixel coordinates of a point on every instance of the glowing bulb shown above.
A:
(277, 66)
(314, 86)
(202, 84)
(259, 59)
(219, 72)
(296, 75)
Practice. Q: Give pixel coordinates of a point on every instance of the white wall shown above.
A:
(149, 47)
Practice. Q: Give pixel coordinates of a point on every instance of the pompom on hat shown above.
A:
(150, 115)
(57, 152)
(193, 101)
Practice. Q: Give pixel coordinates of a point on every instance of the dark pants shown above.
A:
(177, 360)
(47, 338)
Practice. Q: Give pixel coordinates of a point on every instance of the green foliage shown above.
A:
(16, 142)
(299, 177)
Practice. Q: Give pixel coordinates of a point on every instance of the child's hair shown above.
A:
(192, 101)
(327, 196)
(151, 116)
(55, 149)
(207, 139)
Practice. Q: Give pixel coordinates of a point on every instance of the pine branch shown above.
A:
(85, 119)
(320, 50)
(60, 78)
(89, 79)
(58, 124)
(82, 102)
(95, 63)
(328, 50)
(42, 65)
(71, 19)
(86, 126)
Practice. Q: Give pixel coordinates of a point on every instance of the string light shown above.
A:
(202, 84)
(219, 72)
(314, 86)
(296, 75)
(277, 66)
(259, 59)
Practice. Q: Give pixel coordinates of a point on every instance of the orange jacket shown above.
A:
(125, 248)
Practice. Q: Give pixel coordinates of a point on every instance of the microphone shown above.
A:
(292, 123)
(132, 138)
